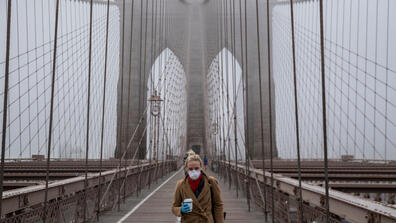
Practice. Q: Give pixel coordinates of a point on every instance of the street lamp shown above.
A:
(214, 129)
(155, 104)
(155, 110)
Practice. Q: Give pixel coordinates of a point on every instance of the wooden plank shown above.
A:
(157, 207)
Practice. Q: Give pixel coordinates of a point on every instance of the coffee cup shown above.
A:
(189, 201)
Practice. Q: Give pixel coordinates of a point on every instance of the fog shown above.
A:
(31, 55)
(360, 58)
(360, 67)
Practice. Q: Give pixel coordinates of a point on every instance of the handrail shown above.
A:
(21, 198)
(351, 208)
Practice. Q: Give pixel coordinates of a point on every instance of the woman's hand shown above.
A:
(185, 208)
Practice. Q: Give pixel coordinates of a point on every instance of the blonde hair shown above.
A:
(193, 157)
(190, 153)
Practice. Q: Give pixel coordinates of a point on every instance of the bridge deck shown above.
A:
(156, 208)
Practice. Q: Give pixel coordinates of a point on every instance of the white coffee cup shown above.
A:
(189, 201)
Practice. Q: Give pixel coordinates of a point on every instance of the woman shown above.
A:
(207, 206)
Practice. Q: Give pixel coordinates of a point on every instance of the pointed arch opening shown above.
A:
(166, 108)
(225, 98)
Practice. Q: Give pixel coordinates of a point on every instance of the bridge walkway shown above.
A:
(154, 205)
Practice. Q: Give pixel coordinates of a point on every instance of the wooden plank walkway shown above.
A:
(156, 206)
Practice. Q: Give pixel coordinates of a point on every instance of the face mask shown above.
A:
(194, 174)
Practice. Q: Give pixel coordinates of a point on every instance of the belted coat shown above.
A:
(202, 205)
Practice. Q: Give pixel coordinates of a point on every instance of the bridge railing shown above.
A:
(68, 197)
(343, 207)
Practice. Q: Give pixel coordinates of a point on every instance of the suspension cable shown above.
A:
(296, 112)
(246, 85)
(88, 108)
(51, 108)
(322, 54)
(120, 123)
(228, 97)
(235, 97)
(270, 112)
(103, 109)
(129, 84)
(242, 58)
(261, 103)
(5, 103)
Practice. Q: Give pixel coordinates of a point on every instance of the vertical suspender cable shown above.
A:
(224, 78)
(128, 96)
(261, 104)
(88, 108)
(218, 73)
(356, 74)
(222, 136)
(242, 64)
(156, 138)
(5, 100)
(247, 158)
(164, 84)
(144, 90)
(296, 112)
(103, 109)
(270, 112)
(220, 63)
(221, 91)
(223, 87)
(166, 29)
(120, 123)
(235, 98)
(151, 52)
(386, 81)
(51, 109)
(152, 129)
(163, 147)
(228, 102)
(161, 81)
(324, 109)
(140, 94)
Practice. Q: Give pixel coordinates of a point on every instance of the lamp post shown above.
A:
(155, 104)
(214, 129)
(155, 110)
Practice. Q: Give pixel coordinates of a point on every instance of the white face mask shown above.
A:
(194, 174)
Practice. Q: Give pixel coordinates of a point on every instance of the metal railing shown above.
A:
(66, 197)
(343, 207)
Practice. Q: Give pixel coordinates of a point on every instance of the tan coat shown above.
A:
(202, 206)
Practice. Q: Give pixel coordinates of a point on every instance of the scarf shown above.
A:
(194, 183)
